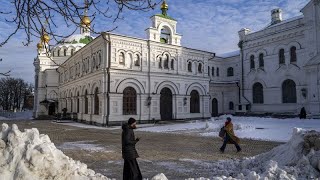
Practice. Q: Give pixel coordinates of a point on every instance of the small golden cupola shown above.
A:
(164, 7)
(39, 45)
(85, 21)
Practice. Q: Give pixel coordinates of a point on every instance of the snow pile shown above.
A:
(29, 155)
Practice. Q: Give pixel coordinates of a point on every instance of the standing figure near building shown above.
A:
(229, 136)
(303, 113)
(131, 170)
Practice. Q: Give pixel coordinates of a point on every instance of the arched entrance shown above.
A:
(166, 104)
(52, 109)
(215, 107)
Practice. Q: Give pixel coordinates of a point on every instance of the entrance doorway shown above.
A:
(166, 104)
(52, 109)
(215, 111)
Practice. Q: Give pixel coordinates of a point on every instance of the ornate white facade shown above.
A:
(115, 77)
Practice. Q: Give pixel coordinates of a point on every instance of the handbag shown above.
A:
(222, 132)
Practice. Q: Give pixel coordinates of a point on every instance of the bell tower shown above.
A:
(164, 28)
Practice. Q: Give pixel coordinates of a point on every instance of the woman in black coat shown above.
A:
(131, 170)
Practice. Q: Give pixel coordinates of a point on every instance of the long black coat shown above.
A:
(128, 143)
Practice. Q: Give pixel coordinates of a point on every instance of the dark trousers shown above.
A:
(227, 139)
(131, 170)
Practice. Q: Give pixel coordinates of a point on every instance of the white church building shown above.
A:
(107, 79)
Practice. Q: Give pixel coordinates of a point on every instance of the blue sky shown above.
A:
(210, 25)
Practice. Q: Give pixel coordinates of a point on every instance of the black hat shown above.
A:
(229, 118)
(131, 121)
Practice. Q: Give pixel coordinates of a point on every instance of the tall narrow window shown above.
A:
(121, 58)
(166, 62)
(96, 101)
(212, 71)
(64, 52)
(72, 51)
(230, 72)
(137, 60)
(289, 94)
(257, 93)
(208, 70)
(71, 103)
(281, 56)
(160, 63)
(231, 106)
(194, 102)
(218, 72)
(59, 52)
(165, 35)
(252, 65)
(200, 68)
(189, 66)
(261, 61)
(86, 102)
(293, 54)
(129, 101)
(172, 64)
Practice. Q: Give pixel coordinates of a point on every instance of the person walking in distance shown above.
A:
(229, 136)
(131, 170)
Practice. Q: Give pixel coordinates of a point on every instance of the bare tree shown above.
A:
(36, 18)
(14, 93)
(4, 73)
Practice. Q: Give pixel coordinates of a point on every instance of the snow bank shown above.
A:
(29, 155)
(297, 159)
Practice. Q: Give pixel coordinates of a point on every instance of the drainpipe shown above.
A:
(107, 72)
(149, 79)
(242, 73)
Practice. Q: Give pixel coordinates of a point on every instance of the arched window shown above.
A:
(64, 52)
(212, 71)
(218, 72)
(208, 70)
(59, 52)
(137, 60)
(160, 62)
(261, 61)
(53, 53)
(281, 56)
(172, 64)
(121, 58)
(230, 72)
(200, 68)
(293, 54)
(86, 102)
(252, 65)
(96, 101)
(100, 59)
(129, 101)
(166, 62)
(231, 106)
(189, 66)
(289, 94)
(257, 93)
(194, 102)
(165, 35)
(72, 51)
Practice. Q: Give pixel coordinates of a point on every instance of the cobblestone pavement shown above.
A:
(178, 156)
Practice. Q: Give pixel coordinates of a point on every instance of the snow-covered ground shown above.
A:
(270, 129)
(16, 115)
(29, 155)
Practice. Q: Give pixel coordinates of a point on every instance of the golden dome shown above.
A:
(164, 5)
(39, 45)
(85, 21)
(45, 38)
